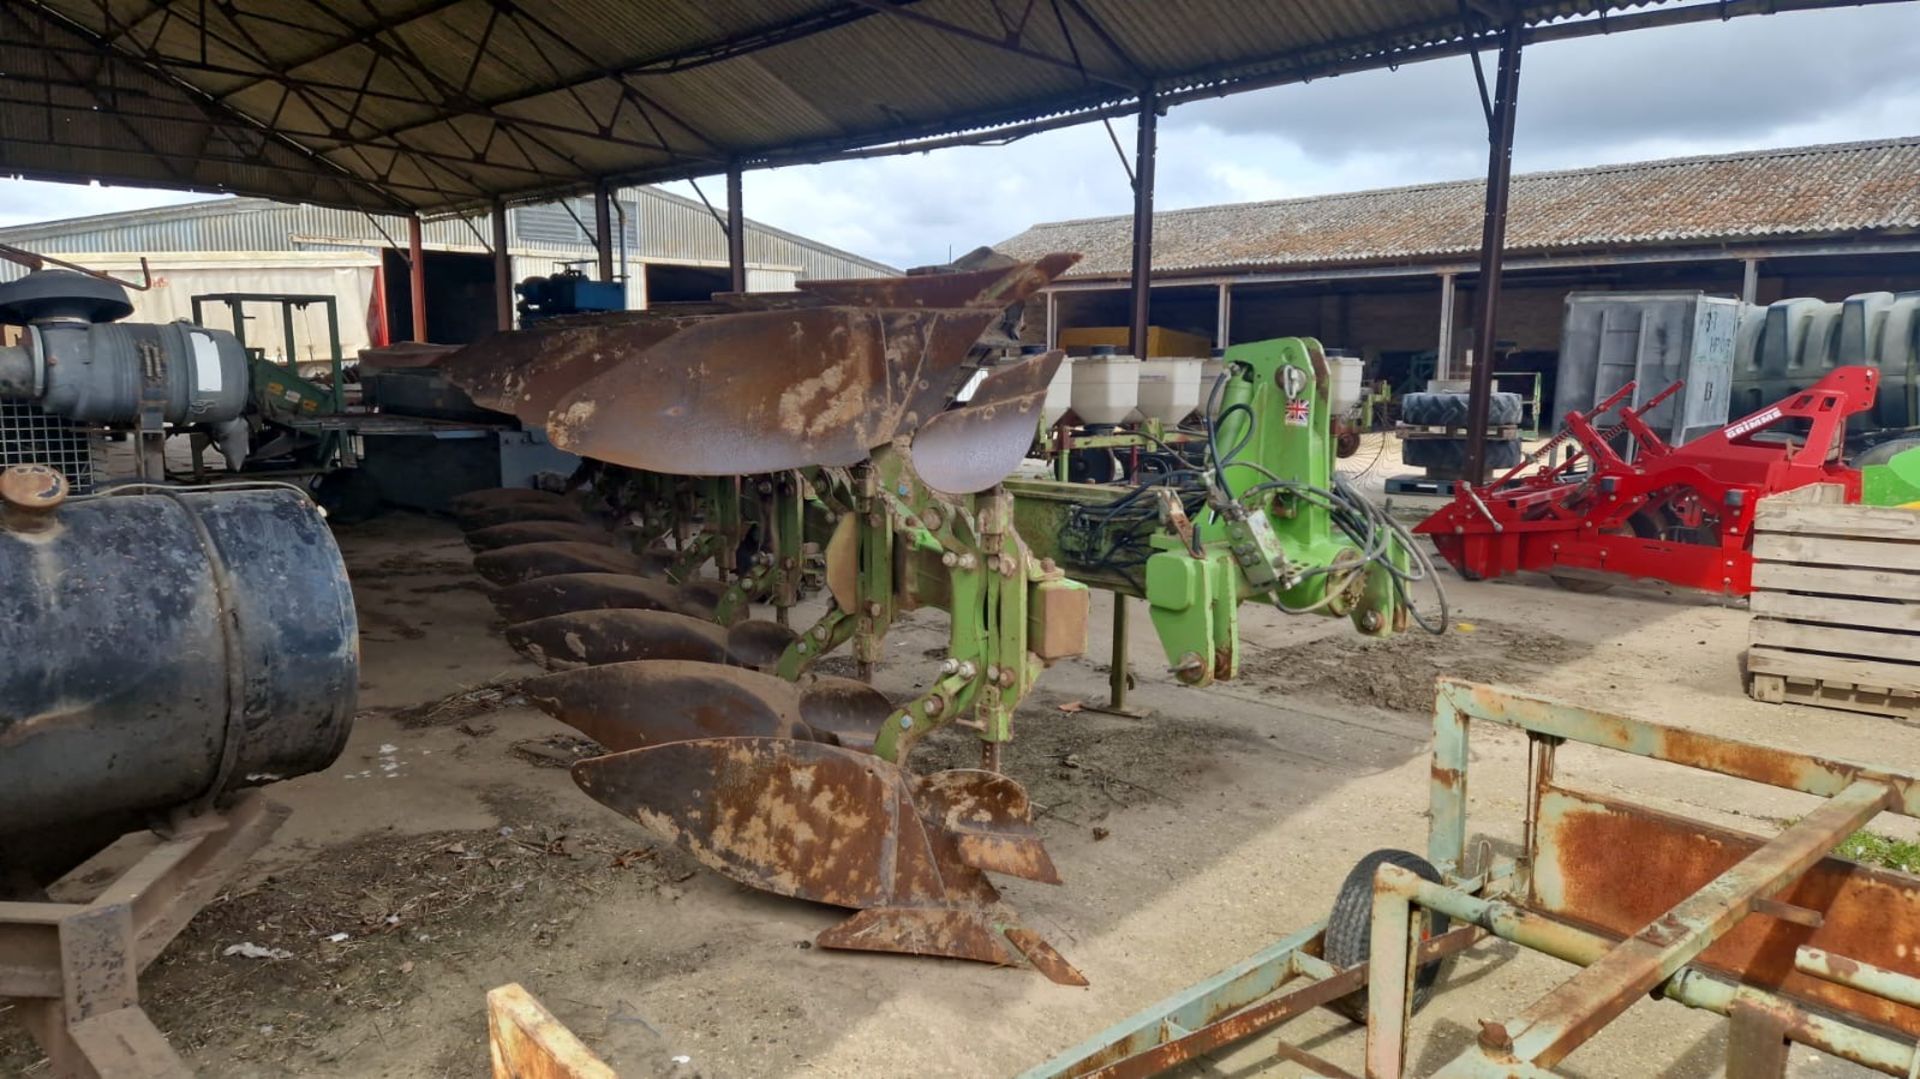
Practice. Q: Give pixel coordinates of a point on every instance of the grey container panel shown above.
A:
(1653, 339)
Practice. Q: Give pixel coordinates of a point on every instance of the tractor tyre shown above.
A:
(1348, 939)
(1450, 409)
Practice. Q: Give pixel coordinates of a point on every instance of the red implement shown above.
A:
(1681, 514)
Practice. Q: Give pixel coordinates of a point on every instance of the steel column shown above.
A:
(1143, 224)
(736, 230)
(1223, 320)
(603, 228)
(417, 277)
(1444, 365)
(1053, 318)
(1493, 241)
(1750, 280)
(502, 270)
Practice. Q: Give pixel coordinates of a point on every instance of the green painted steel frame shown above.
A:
(1491, 901)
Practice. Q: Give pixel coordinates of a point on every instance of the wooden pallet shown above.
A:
(1836, 605)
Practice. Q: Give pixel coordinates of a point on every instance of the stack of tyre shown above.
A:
(1445, 457)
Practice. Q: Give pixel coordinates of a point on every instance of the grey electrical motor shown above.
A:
(79, 361)
(159, 650)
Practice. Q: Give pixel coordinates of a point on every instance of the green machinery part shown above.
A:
(1263, 517)
(1896, 483)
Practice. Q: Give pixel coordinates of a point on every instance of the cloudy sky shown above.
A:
(1752, 83)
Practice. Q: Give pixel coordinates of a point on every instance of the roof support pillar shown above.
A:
(1443, 361)
(417, 277)
(502, 270)
(1143, 223)
(1493, 241)
(1750, 280)
(603, 228)
(1053, 318)
(1223, 319)
(736, 229)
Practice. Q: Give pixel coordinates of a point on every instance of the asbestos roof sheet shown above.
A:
(444, 105)
(1844, 188)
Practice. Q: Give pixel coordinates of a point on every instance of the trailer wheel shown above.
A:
(1348, 939)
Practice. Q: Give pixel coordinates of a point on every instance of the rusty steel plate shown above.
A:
(488, 497)
(851, 710)
(651, 702)
(765, 391)
(512, 565)
(759, 643)
(971, 448)
(544, 596)
(1617, 867)
(472, 520)
(993, 289)
(982, 936)
(516, 533)
(991, 820)
(799, 819)
(617, 635)
(526, 372)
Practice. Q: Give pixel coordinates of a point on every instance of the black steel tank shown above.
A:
(161, 648)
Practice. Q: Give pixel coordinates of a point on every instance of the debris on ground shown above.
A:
(463, 704)
(1398, 673)
(556, 750)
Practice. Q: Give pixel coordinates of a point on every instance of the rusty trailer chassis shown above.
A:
(1794, 945)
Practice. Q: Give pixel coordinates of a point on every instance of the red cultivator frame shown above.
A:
(1681, 514)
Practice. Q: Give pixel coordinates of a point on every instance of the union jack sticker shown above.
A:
(1297, 412)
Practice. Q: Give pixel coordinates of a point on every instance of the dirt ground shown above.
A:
(447, 852)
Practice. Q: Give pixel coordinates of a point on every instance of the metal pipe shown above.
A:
(1493, 241)
(1840, 970)
(417, 277)
(736, 229)
(1143, 155)
(1689, 986)
(603, 228)
(502, 270)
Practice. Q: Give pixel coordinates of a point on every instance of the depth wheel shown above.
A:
(1585, 586)
(1349, 937)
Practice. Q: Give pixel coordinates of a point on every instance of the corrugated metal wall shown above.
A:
(660, 227)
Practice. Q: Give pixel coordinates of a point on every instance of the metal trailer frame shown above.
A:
(72, 970)
(1793, 945)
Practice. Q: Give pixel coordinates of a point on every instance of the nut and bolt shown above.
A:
(949, 665)
(949, 559)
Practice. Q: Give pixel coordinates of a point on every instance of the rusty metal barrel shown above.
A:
(161, 648)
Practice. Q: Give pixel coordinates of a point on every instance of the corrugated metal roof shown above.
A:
(445, 105)
(1811, 191)
(661, 226)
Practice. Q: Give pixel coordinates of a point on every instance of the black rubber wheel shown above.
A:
(1449, 454)
(349, 495)
(1586, 586)
(1348, 940)
(1450, 409)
